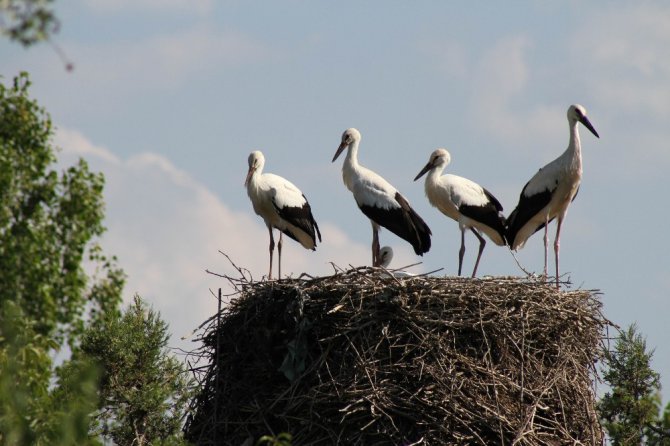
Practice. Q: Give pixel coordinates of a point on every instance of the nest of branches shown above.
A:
(362, 358)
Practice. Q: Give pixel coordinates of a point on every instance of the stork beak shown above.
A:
(343, 145)
(589, 126)
(252, 169)
(425, 169)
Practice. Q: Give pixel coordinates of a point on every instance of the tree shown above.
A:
(28, 21)
(144, 391)
(31, 412)
(119, 380)
(49, 222)
(630, 410)
(48, 225)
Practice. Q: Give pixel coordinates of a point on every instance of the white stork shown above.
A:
(281, 205)
(464, 201)
(380, 202)
(385, 257)
(549, 193)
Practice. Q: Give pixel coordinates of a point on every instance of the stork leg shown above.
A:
(279, 245)
(461, 252)
(272, 248)
(376, 256)
(482, 243)
(546, 244)
(557, 246)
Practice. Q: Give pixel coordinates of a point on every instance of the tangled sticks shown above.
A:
(361, 358)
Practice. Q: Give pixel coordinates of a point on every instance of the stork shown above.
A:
(385, 257)
(549, 193)
(281, 205)
(380, 201)
(464, 201)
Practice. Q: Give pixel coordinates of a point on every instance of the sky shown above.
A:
(168, 98)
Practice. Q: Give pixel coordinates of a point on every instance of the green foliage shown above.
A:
(71, 403)
(47, 224)
(120, 379)
(283, 439)
(630, 411)
(144, 391)
(25, 368)
(27, 21)
(31, 412)
(661, 434)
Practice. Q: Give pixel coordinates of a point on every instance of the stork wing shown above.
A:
(489, 213)
(403, 221)
(300, 217)
(529, 205)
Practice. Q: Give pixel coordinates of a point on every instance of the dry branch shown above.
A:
(360, 358)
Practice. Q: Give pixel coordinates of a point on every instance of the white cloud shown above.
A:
(167, 228)
(500, 76)
(77, 145)
(627, 55)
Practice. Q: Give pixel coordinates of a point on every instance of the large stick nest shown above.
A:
(361, 358)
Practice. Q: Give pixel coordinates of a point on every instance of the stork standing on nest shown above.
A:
(464, 201)
(380, 201)
(549, 193)
(282, 206)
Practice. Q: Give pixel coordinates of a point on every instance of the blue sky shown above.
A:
(168, 97)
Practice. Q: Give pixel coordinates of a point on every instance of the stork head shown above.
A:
(256, 162)
(349, 137)
(439, 159)
(386, 254)
(577, 113)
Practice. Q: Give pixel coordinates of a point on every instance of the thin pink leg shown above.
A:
(546, 245)
(482, 243)
(272, 248)
(279, 245)
(461, 252)
(557, 246)
(376, 260)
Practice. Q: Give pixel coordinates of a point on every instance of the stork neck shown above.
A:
(574, 145)
(254, 178)
(435, 173)
(352, 154)
(350, 167)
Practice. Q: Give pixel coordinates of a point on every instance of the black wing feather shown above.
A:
(301, 217)
(527, 208)
(403, 222)
(489, 214)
